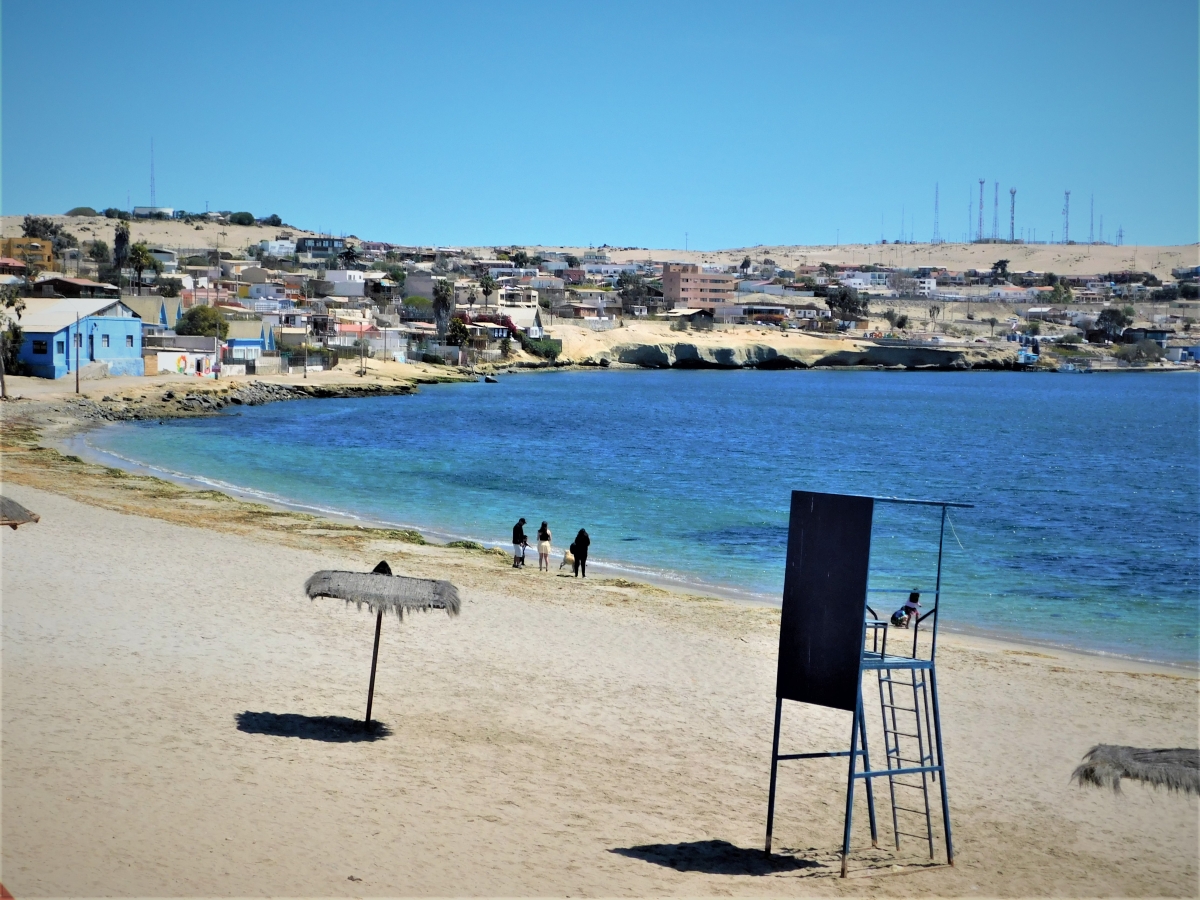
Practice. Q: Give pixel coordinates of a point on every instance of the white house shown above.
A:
(279, 249)
(926, 287)
(347, 282)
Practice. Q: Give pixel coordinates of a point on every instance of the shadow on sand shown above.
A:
(715, 858)
(336, 729)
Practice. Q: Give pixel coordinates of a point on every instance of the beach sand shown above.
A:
(557, 738)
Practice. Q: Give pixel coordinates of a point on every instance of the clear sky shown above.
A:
(631, 124)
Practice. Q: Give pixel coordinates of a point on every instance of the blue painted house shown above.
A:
(249, 339)
(68, 334)
(159, 314)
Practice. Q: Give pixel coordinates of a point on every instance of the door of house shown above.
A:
(91, 347)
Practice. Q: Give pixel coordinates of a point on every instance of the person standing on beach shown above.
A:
(544, 547)
(520, 542)
(582, 542)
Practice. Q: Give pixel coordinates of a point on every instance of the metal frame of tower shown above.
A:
(996, 214)
(937, 237)
(1092, 220)
(1066, 217)
(1012, 215)
(979, 233)
(153, 200)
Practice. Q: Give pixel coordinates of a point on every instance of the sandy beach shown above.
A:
(559, 737)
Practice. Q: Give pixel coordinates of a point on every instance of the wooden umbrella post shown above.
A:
(374, 660)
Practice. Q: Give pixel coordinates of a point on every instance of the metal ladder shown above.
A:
(904, 748)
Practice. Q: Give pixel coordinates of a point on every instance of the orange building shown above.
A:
(686, 286)
(31, 251)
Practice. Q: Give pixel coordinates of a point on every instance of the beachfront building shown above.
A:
(686, 286)
(249, 339)
(80, 332)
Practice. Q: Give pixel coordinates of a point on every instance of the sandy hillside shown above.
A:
(1064, 259)
(159, 663)
(1074, 259)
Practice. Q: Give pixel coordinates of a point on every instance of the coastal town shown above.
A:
(114, 292)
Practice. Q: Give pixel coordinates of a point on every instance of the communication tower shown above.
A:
(153, 202)
(1120, 235)
(1066, 217)
(1012, 215)
(979, 232)
(1092, 221)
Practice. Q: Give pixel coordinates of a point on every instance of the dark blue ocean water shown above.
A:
(1085, 531)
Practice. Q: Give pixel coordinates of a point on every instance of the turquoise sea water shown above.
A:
(1085, 531)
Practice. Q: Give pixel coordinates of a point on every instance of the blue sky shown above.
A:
(632, 124)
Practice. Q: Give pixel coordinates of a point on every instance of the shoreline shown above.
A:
(75, 442)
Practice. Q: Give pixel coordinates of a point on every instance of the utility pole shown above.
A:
(979, 233)
(937, 236)
(78, 346)
(1012, 215)
(996, 214)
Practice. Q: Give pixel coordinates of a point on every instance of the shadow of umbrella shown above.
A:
(332, 729)
(715, 858)
(381, 591)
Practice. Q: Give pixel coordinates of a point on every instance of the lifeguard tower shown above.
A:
(830, 638)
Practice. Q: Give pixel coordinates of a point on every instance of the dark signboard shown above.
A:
(824, 599)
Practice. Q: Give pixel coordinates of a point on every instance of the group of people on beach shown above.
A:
(576, 556)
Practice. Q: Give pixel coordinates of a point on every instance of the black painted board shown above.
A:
(824, 599)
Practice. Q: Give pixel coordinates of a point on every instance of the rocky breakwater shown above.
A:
(806, 353)
(207, 400)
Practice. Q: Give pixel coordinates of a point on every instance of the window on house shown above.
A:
(78, 339)
(129, 340)
(104, 340)
(40, 347)
(60, 347)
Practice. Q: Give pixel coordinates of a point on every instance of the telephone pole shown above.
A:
(937, 237)
(996, 214)
(979, 232)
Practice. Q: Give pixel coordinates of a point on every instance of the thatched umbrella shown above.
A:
(13, 514)
(381, 592)
(1106, 764)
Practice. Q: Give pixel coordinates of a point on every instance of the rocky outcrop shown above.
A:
(685, 354)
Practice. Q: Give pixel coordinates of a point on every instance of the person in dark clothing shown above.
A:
(520, 542)
(582, 542)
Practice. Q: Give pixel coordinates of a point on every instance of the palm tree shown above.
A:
(487, 284)
(471, 298)
(443, 305)
(140, 260)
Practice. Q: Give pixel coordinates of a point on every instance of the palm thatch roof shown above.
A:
(384, 592)
(1106, 764)
(13, 514)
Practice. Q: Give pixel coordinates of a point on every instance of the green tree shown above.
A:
(202, 320)
(744, 265)
(140, 260)
(273, 220)
(457, 333)
(98, 251)
(241, 218)
(571, 261)
(846, 302)
(169, 287)
(1142, 351)
(993, 322)
(1113, 321)
(1000, 270)
(443, 305)
(81, 211)
(348, 257)
(487, 286)
(519, 258)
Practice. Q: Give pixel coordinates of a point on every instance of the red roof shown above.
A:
(9, 261)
